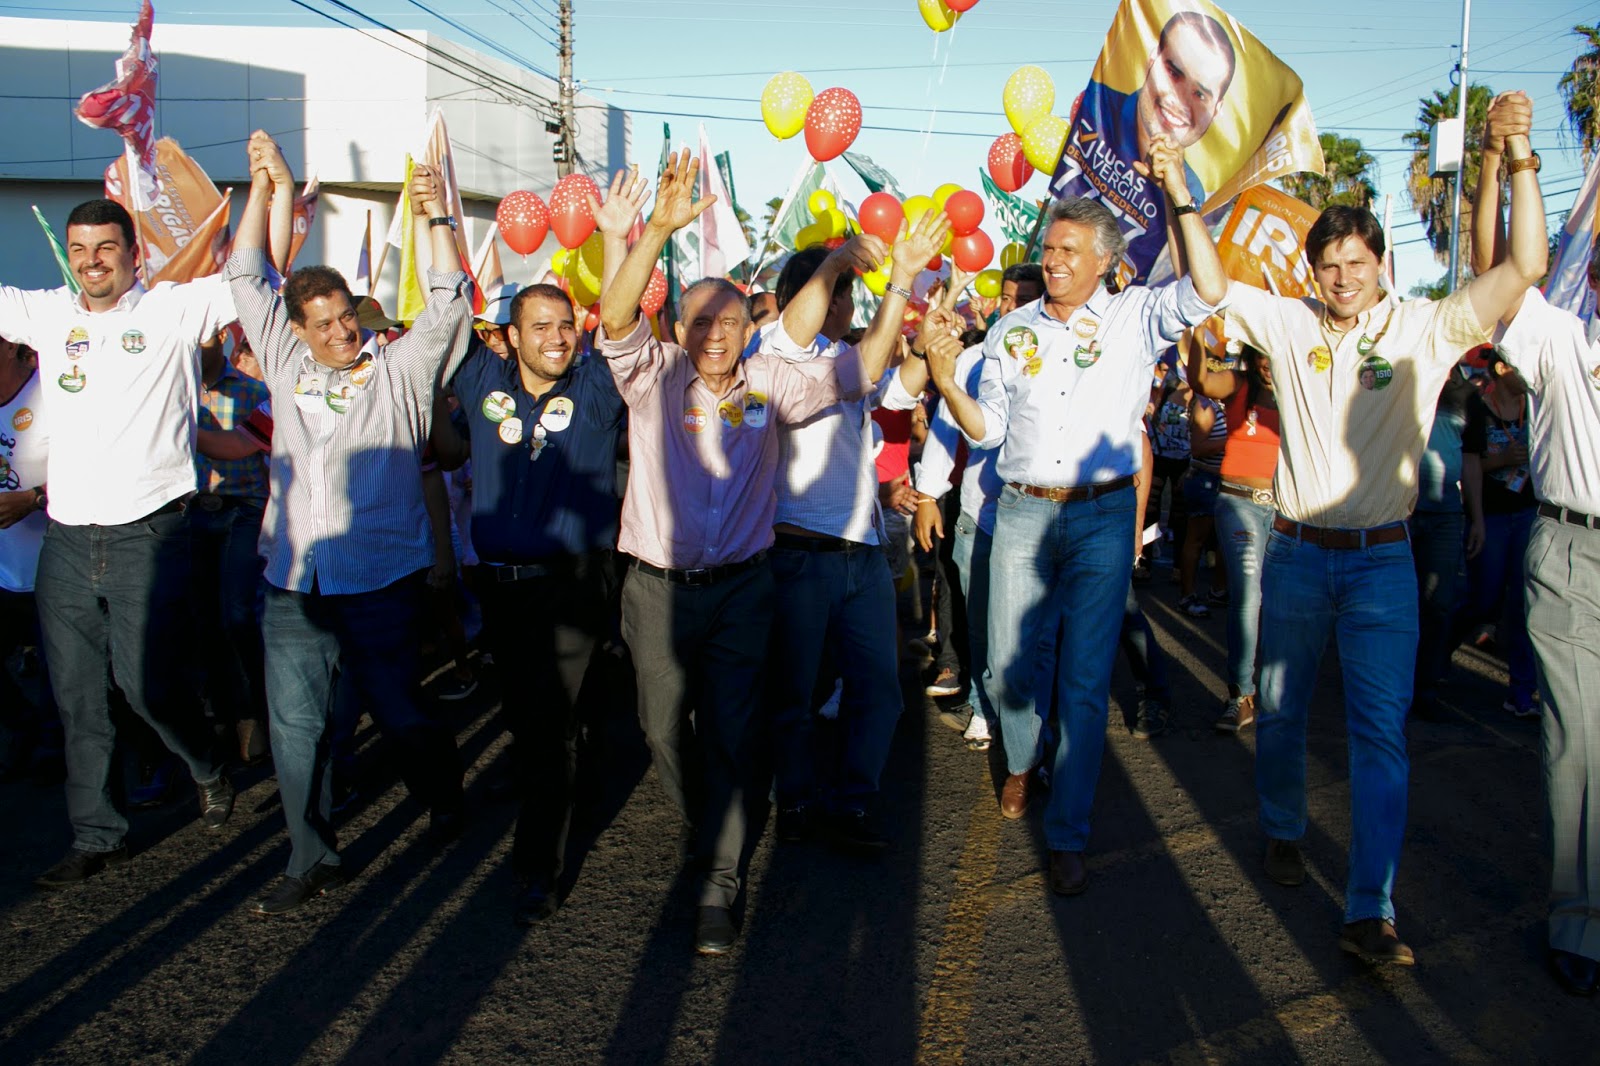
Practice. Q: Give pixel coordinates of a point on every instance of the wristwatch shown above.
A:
(443, 220)
(40, 500)
(1186, 209)
(1530, 161)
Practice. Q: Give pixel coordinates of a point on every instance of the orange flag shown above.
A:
(1264, 238)
(186, 210)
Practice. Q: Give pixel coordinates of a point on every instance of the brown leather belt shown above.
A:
(1340, 538)
(1073, 493)
(1264, 497)
(1569, 516)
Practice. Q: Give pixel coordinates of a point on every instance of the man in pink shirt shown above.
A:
(697, 602)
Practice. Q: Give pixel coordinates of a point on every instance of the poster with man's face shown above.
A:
(1187, 71)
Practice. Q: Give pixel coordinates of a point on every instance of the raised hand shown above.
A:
(616, 216)
(943, 348)
(1165, 167)
(266, 158)
(425, 201)
(917, 245)
(676, 206)
(863, 252)
(1510, 114)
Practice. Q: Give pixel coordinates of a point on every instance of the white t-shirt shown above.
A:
(121, 389)
(23, 448)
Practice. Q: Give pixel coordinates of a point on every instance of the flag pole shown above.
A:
(1461, 174)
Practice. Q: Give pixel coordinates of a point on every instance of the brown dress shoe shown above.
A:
(1014, 795)
(1373, 941)
(1068, 875)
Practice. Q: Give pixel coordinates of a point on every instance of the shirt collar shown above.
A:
(1097, 306)
(128, 302)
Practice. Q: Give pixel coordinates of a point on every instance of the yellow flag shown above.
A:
(411, 296)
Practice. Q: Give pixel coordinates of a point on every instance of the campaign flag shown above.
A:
(1015, 215)
(486, 264)
(57, 251)
(874, 177)
(437, 156)
(204, 252)
(305, 213)
(363, 279)
(713, 244)
(184, 211)
(127, 105)
(792, 215)
(1264, 238)
(1567, 285)
(1183, 69)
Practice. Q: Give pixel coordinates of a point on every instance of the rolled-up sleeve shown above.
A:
(993, 399)
(1455, 329)
(1535, 334)
(938, 454)
(1254, 316)
(804, 390)
(635, 360)
(439, 338)
(261, 311)
(1173, 309)
(895, 396)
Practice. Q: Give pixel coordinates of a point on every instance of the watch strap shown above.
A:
(443, 220)
(1186, 209)
(1530, 161)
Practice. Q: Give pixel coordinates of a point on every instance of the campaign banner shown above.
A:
(1187, 70)
(1263, 242)
(1568, 283)
(184, 210)
(127, 105)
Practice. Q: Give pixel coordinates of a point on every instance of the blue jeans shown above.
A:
(1367, 598)
(1436, 541)
(1495, 581)
(228, 589)
(371, 638)
(1066, 565)
(1242, 528)
(113, 606)
(971, 549)
(838, 608)
(1145, 661)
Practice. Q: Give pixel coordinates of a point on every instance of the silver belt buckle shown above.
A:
(1263, 497)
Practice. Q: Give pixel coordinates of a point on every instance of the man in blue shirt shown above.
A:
(544, 520)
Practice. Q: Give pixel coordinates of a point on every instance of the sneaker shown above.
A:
(1194, 607)
(1238, 714)
(1521, 710)
(1284, 863)
(977, 735)
(1150, 720)
(947, 683)
(455, 687)
(80, 866)
(1373, 941)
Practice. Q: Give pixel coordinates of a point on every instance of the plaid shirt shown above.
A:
(224, 406)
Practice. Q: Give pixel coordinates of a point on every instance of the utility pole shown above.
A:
(1461, 175)
(566, 148)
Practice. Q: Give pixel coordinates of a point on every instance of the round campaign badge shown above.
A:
(77, 345)
(1086, 327)
(511, 430)
(730, 413)
(1319, 358)
(1033, 366)
(339, 399)
(557, 414)
(133, 342)
(694, 419)
(73, 380)
(498, 406)
(22, 419)
(363, 372)
(1087, 356)
(755, 409)
(1594, 376)
(1364, 345)
(1021, 342)
(1375, 373)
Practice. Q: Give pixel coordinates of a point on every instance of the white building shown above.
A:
(344, 105)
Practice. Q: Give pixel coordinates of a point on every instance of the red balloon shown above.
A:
(569, 209)
(881, 216)
(973, 252)
(1008, 166)
(936, 264)
(655, 294)
(524, 220)
(832, 122)
(965, 212)
(960, 5)
(591, 321)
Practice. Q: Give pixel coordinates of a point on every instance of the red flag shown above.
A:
(127, 105)
(305, 213)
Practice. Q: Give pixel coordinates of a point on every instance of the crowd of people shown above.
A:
(303, 503)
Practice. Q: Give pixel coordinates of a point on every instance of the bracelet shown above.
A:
(1527, 162)
(927, 499)
(1186, 209)
(443, 220)
(904, 294)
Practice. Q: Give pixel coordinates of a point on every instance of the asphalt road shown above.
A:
(950, 948)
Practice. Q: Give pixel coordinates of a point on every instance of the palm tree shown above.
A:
(1580, 91)
(1347, 179)
(1432, 196)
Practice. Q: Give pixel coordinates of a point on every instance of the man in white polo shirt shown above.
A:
(119, 373)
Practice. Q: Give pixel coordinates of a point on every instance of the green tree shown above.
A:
(1430, 196)
(1347, 179)
(1580, 91)
(772, 247)
(1432, 290)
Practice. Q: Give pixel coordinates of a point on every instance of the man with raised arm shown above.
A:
(697, 602)
(1062, 394)
(1357, 375)
(346, 535)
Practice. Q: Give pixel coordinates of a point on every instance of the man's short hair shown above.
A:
(798, 270)
(1211, 30)
(1108, 238)
(1024, 274)
(104, 213)
(719, 285)
(312, 283)
(1594, 264)
(1341, 221)
(540, 291)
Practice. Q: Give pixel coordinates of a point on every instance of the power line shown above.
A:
(494, 46)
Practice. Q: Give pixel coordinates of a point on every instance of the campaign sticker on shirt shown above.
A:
(1375, 373)
(77, 345)
(8, 480)
(1364, 345)
(22, 419)
(730, 413)
(363, 372)
(339, 399)
(1319, 358)
(133, 342)
(1086, 327)
(73, 380)
(309, 384)
(1021, 342)
(498, 406)
(755, 409)
(511, 430)
(1087, 356)
(538, 443)
(1594, 376)
(695, 420)
(557, 414)
(1033, 366)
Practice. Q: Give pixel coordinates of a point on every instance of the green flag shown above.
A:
(1015, 215)
(792, 216)
(872, 175)
(674, 286)
(55, 247)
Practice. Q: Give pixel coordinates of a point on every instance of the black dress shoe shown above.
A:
(80, 866)
(714, 931)
(295, 892)
(216, 801)
(1068, 874)
(536, 903)
(1578, 975)
(855, 831)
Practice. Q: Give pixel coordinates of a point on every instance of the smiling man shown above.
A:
(119, 364)
(346, 535)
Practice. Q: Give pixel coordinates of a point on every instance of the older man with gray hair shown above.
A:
(1062, 395)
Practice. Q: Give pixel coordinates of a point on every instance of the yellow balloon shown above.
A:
(949, 243)
(937, 15)
(1042, 142)
(988, 284)
(837, 224)
(814, 234)
(943, 193)
(1012, 254)
(784, 103)
(820, 203)
(877, 281)
(558, 262)
(1029, 95)
(916, 206)
(584, 290)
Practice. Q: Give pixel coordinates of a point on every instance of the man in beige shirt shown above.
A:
(1358, 375)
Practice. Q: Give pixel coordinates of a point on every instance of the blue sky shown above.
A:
(932, 101)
